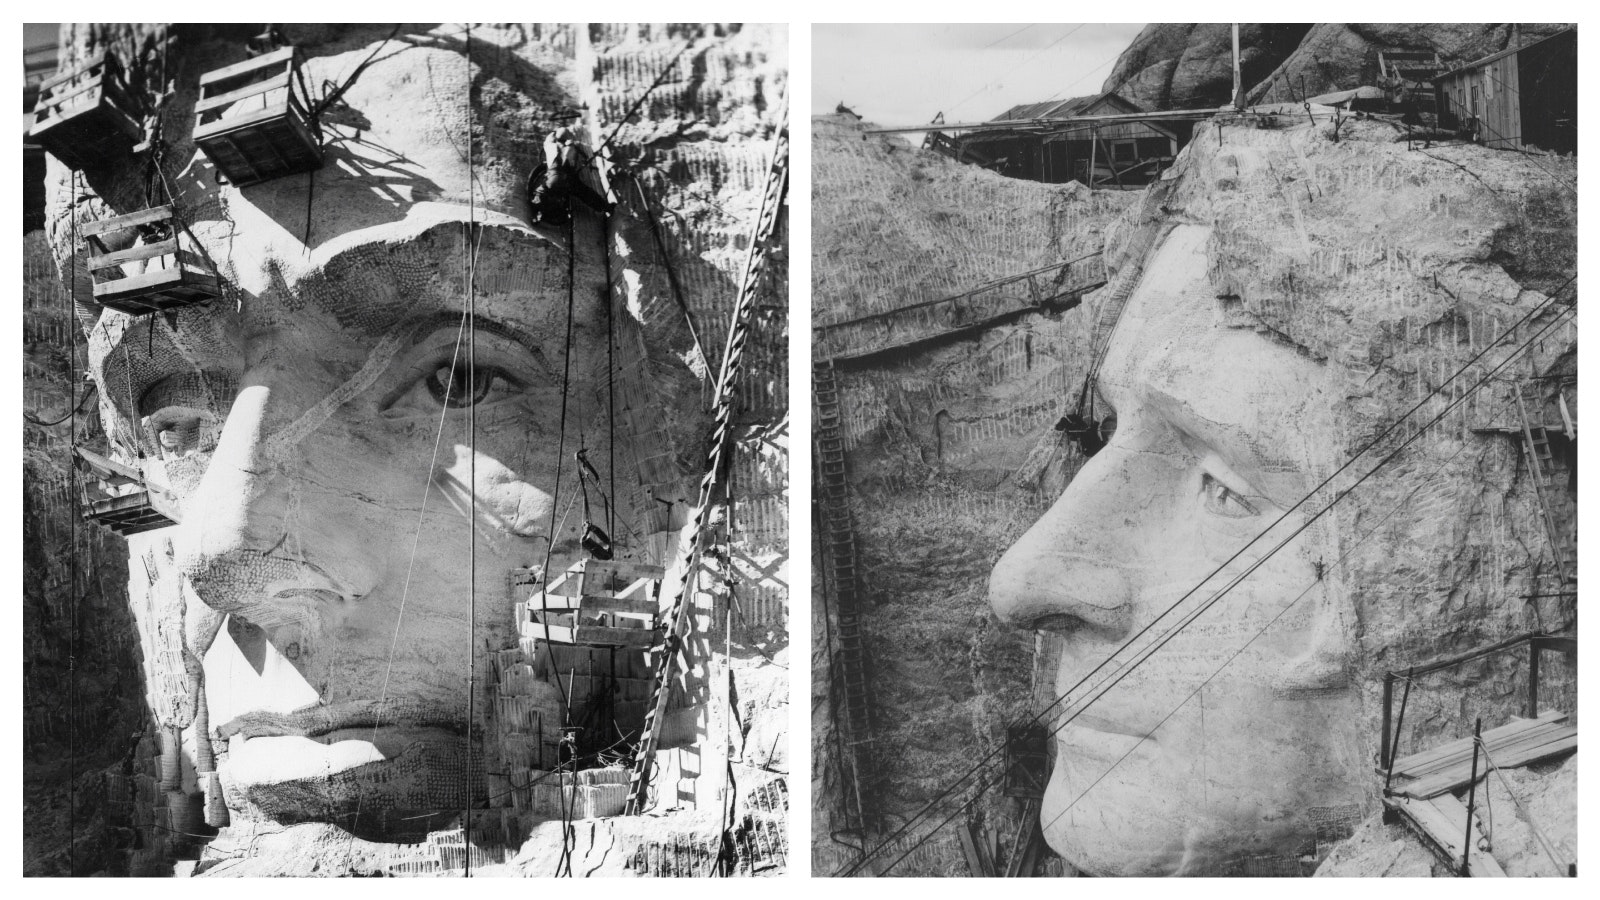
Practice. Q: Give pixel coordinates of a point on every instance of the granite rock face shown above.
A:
(1529, 804)
(1368, 272)
(947, 445)
(305, 630)
(1190, 66)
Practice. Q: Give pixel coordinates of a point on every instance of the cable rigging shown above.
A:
(1374, 442)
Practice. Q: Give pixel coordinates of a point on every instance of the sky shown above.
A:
(39, 33)
(904, 74)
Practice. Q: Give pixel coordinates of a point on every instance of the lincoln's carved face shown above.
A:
(1248, 715)
(333, 459)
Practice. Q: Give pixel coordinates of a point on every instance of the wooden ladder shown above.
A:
(842, 585)
(1541, 462)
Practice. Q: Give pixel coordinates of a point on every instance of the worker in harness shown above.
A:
(557, 181)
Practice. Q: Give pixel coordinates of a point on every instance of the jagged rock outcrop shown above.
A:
(937, 439)
(1530, 803)
(1190, 66)
(1336, 57)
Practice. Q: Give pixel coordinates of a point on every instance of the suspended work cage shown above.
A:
(598, 603)
(86, 118)
(118, 497)
(252, 120)
(145, 262)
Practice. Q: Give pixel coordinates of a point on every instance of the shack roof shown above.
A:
(1072, 106)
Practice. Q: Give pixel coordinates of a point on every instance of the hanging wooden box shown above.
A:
(251, 120)
(86, 117)
(118, 497)
(144, 262)
(599, 603)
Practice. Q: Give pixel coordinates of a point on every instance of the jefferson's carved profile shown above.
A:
(1262, 348)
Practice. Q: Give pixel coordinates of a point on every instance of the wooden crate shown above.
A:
(117, 496)
(144, 262)
(86, 118)
(600, 603)
(251, 120)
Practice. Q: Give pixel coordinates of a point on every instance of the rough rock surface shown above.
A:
(935, 438)
(76, 767)
(1190, 66)
(697, 152)
(1536, 797)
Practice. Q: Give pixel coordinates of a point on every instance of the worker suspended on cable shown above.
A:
(558, 181)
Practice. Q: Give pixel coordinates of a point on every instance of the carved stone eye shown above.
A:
(450, 385)
(181, 432)
(1223, 500)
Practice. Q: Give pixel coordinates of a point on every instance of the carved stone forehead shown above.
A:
(381, 282)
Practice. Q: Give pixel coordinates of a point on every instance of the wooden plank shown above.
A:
(145, 251)
(276, 83)
(1457, 777)
(594, 604)
(107, 468)
(624, 570)
(1531, 738)
(1454, 816)
(1516, 725)
(1455, 760)
(1462, 751)
(626, 637)
(969, 849)
(1531, 754)
(70, 74)
(559, 634)
(134, 284)
(249, 65)
(227, 127)
(153, 214)
(59, 103)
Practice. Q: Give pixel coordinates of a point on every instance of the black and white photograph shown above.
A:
(1195, 423)
(405, 450)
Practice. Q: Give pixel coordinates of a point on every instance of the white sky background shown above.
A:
(904, 74)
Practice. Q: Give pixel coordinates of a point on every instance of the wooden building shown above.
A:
(1523, 96)
(1097, 153)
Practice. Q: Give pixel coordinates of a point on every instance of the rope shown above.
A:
(1544, 843)
(672, 274)
(1037, 718)
(561, 440)
(411, 564)
(72, 537)
(727, 381)
(35, 420)
(333, 96)
(472, 453)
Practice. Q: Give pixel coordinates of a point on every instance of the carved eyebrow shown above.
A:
(430, 323)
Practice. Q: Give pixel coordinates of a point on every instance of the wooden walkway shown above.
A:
(1054, 287)
(1443, 822)
(1423, 791)
(1448, 768)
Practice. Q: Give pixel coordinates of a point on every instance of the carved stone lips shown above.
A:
(318, 721)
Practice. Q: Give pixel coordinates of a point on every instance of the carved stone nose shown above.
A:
(1069, 564)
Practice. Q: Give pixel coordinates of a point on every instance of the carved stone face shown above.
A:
(1219, 431)
(315, 429)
